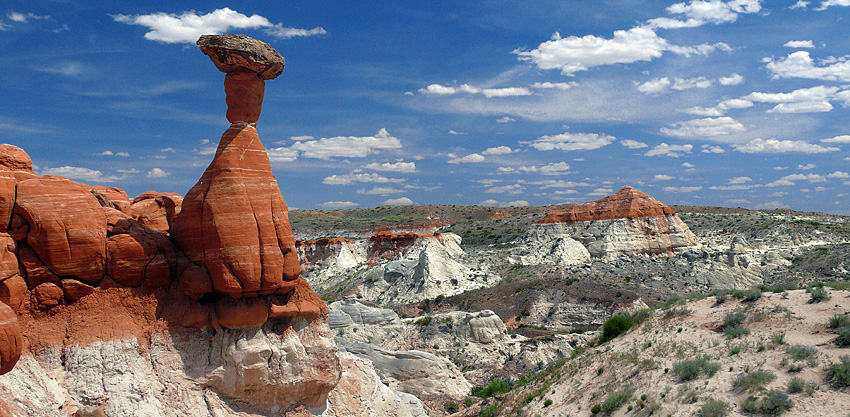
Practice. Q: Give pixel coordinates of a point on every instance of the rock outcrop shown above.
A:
(628, 222)
(234, 222)
(115, 319)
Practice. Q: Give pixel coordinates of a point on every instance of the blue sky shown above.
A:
(736, 103)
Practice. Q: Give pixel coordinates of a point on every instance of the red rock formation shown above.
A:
(628, 203)
(115, 196)
(67, 227)
(156, 210)
(13, 290)
(11, 342)
(15, 166)
(8, 258)
(498, 216)
(234, 221)
(386, 244)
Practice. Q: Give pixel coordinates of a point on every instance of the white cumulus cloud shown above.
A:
(708, 127)
(157, 173)
(403, 201)
(782, 146)
(799, 44)
(800, 64)
(338, 204)
(468, 159)
(347, 146)
(405, 167)
(633, 144)
(499, 150)
(673, 151)
(81, 174)
(571, 142)
(187, 27)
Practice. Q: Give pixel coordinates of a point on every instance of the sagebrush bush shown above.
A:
(838, 374)
(692, 369)
(800, 352)
(616, 400)
(736, 318)
(819, 294)
(843, 339)
(749, 296)
(735, 332)
(752, 381)
(714, 408)
(838, 321)
(615, 326)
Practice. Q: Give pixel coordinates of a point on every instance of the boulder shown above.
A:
(15, 166)
(113, 196)
(74, 290)
(36, 272)
(12, 291)
(155, 210)
(47, 295)
(67, 227)
(10, 339)
(233, 52)
(8, 258)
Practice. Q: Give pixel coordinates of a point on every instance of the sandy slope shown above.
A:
(639, 360)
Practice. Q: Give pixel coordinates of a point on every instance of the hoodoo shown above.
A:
(234, 222)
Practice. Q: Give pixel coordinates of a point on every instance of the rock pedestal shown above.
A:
(234, 222)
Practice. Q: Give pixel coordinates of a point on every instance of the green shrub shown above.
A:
(797, 385)
(752, 381)
(674, 301)
(547, 403)
(489, 411)
(800, 352)
(778, 338)
(773, 403)
(838, 374)
(691, 370)
(614, 327)
(838, 321)
(469, 401)
(616, 400)
(596, 409)
(819, 294)
(451, 407)
(734, 319)
(424, 321)
(843, 339)
(499, 386)
(714, 408)
(679, 311)
(735, 332)
(748, 296)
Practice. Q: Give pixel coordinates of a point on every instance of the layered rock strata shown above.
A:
(628, 222)
(117, 319)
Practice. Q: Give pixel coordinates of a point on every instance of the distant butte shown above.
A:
(628, 203)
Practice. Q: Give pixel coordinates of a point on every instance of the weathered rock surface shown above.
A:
(414, 371)
(234, 221)
(67, 227)
(360, 393)
(549, 245)
(429, 267)
(257, 371)
(628, 203)
(233, 52)
(156, 211)
(11, 342)
(628, 222)
(331, 256)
